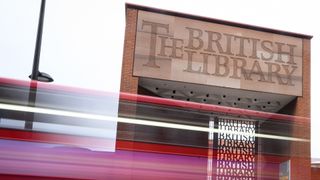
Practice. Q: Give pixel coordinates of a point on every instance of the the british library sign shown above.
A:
(187, 50)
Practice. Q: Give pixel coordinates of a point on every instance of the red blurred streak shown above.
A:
(120, 144)
(211, 108)
(79, 141)
(158, 101)
(28, 177)
(82, 141)
(100, 143)
(161, 148)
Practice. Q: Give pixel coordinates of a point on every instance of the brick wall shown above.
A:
(315, 173)
(300, 151)
(128, 82)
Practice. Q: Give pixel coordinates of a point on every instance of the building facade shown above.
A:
(250, 86)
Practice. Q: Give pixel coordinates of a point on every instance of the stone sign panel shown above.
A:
(187, 50)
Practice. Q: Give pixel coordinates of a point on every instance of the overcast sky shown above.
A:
(83, 39)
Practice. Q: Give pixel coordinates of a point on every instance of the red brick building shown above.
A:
(260, 77)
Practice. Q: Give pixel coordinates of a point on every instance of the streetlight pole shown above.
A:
(36, 74)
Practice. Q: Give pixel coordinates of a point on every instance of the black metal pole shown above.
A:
(31, 102)
(35, 68)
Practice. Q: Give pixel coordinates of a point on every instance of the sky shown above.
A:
(83, 39)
